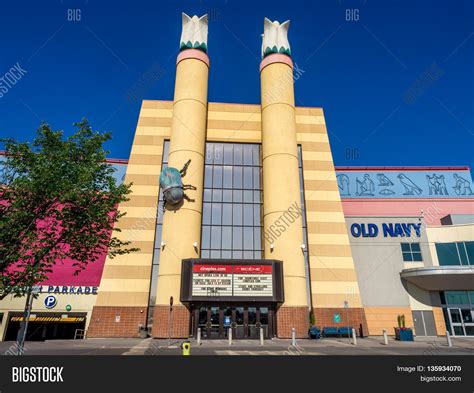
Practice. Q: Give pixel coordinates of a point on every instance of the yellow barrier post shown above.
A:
(186, 348)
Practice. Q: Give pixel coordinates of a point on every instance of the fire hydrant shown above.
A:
(186, 348)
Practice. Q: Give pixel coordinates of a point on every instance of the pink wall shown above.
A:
(433, 209)
(63, 273)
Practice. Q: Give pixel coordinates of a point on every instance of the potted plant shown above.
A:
(403, 333)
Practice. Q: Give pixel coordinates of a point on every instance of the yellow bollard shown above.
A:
(186, 348)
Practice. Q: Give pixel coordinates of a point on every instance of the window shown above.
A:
(452, 254)
(470, 251)
(411, 252)
(157, 244)
(471, 296)
(447, 254)
(231, 222)
(456, 298)
(305, 225)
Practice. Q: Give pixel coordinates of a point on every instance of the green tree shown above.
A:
(58, 199)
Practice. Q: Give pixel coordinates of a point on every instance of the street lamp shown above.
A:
(20, 341)
(346, 306)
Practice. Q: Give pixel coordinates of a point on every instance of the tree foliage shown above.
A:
(58, 199)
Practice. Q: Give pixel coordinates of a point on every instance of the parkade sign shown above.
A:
(69, 290)
(387, 229)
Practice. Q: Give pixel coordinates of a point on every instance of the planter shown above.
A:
(404, 334)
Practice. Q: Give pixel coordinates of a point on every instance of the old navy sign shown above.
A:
(387, 229)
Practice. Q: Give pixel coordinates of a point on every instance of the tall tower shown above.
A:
(280, 175)
(182, 224)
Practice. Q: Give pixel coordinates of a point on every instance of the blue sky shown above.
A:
(396, 83)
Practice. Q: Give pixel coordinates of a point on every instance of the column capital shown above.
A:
(276, 58)
(193, 54)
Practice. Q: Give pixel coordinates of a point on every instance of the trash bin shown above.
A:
(143, 330)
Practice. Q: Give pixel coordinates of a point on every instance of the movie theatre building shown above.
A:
(243, 221)
(254, 228)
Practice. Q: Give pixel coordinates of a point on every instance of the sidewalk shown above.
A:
(328, 346)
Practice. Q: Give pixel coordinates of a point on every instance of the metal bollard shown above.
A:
(229, 334)
(448, 339)
(354, 337)
(261, 336)
(199, 336)
(385, 338)
(293, 337)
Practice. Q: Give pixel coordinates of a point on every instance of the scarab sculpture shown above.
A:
(171, 184)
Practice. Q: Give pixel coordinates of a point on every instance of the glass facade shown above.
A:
(458, 311)
(119, 172)
(411, 252)
(305, 225)
(458, 298)
(232, 223)
(157, 243)
(455, 254)
(232, 202)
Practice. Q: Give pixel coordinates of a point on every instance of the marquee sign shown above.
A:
(253, 280)
(227, 280)
(232, 280)
(212, 280)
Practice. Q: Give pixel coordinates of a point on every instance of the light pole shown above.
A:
(20, 341)
(346, 306)
(169, 321)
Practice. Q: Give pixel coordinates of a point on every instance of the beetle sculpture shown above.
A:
(171, 184)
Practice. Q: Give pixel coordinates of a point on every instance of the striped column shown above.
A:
(281, 190)
(182, 226)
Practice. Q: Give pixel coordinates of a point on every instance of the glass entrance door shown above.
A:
(202, 321)
(245, 321)
(467, 316)
(238, 322)
(214, 322)
(264, 321)
(462, 321)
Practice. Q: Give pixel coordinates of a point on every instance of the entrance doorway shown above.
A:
(46, 326)
(424, 323)
(245, 321)
(461, 321)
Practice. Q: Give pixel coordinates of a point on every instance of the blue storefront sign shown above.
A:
(405, 184)
(387, 230)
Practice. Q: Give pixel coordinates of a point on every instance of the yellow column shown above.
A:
(281, 190)
(182, 226)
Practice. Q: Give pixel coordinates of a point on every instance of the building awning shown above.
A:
(440, 278)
